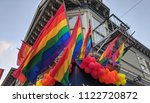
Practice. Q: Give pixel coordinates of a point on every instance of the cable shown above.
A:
(131, 8)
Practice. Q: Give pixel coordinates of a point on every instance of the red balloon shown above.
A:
(100, 72)
(93, 59)
(88, 59)
(92, 65)
(101, 66)
(45, 82)
(97, 65)
(94, 74)
(52, 82)
(87, 70)
(48, 81)
(82, 65)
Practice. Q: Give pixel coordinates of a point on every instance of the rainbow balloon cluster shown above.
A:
(103, 74)
(46, 81)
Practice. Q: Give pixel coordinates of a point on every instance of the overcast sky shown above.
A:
(16, 17)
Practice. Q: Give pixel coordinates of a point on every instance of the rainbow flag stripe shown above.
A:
(118, 55)
(79, 42)
(61, 70)
(86, 46)
(108, 52)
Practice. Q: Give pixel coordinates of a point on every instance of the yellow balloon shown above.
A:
(118, 83)
(39, 83)
(123, 82)
(121, 76)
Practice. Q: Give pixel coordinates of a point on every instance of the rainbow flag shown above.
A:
(86, 46)
(51, 41)
(79, 42)
(23, 52)
(61, 70)
(89, 45)
(118, 55)
(107, 53)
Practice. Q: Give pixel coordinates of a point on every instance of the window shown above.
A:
(72, 20)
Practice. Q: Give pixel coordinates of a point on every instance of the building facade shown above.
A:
(136, 61)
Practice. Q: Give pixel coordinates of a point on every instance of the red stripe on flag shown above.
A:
(1, 72)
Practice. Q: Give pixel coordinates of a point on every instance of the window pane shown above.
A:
(72, 20)
(97, 37)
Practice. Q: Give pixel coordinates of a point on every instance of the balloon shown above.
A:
(97, 65)
(107, 75)
(87, 70)
(93, 59)
(121, 79)
(39, 83)
(100, 72)
(118, 83)
(94, 74)
(101, 66)
(45, 82)
(48, 80)
(92, 65)
(101, 79)
(123, 82)
(53, 81)
(82, 65)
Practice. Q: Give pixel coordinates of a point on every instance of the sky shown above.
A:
(16, 17)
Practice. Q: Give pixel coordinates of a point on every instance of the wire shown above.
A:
(131, 8)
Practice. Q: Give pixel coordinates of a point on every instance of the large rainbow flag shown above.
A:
(86, 46)
(107, 53)
(51, 41)
(61, 70)
(118, 55)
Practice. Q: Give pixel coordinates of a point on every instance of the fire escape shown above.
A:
(116, 27)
